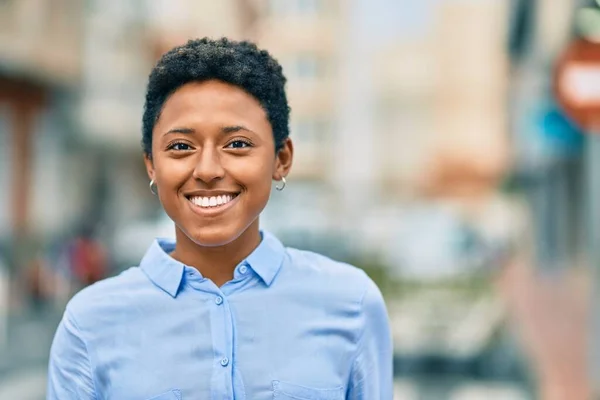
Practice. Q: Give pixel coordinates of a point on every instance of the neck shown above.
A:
(216, 263)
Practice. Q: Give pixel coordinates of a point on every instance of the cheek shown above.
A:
(172, 173)
(260, 187)
(170, 176)
(255, 171)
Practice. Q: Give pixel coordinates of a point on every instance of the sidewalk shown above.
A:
(550, 315)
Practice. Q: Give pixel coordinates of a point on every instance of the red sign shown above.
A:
(577, 83)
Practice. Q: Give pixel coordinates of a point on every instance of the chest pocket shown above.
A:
(289, 391)
(170, 395)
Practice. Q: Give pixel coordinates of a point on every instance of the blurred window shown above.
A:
(311, 130)
(304, 66)
(287, 7)
(308, 6)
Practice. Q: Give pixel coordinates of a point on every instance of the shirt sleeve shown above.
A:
(69, 371)
(372, 370)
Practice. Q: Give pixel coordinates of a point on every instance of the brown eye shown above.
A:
(239, 144)
(179, 147)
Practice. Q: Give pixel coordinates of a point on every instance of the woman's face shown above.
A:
(213, 161)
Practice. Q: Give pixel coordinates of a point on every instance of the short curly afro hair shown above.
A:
(238, 63)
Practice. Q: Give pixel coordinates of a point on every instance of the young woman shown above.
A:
(225, 311)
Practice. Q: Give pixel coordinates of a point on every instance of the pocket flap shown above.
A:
(170, 395)
(283, 390)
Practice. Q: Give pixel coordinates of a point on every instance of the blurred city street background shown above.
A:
(433, 150)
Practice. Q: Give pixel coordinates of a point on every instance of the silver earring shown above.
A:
(152, 185)
(280, 188)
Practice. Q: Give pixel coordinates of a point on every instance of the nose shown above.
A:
(208, 167)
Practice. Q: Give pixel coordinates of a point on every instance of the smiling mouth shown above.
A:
(207, 202)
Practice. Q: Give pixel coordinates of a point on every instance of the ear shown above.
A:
(283, 160)
(149, 166)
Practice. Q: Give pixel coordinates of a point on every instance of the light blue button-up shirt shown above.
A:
(290, 325)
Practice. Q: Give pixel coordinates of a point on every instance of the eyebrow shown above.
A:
(180, 130)
(234, 128)
(224, 130)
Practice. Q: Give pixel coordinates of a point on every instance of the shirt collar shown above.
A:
(167, 273)
(162, 269)
(267, 258)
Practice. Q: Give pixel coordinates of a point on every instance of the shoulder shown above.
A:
(331, 276)
(106, 299)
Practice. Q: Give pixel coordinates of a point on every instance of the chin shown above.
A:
(213, 237)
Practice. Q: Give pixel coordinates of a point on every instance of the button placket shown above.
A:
(222, 335)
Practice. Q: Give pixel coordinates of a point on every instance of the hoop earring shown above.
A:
(280, 188)
(152, 185)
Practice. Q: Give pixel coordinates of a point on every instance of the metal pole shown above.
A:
(592, 161)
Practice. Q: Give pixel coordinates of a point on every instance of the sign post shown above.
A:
(577, 89)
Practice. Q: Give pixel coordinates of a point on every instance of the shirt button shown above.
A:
(219, 300)
(243, 269)
(225, 361)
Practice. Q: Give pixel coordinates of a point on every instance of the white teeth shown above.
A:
(211, 201)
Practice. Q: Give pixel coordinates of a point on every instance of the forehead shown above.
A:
(212, 102)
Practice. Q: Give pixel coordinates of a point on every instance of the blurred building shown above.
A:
(442, 93)
(384, 114)
(39, 71)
